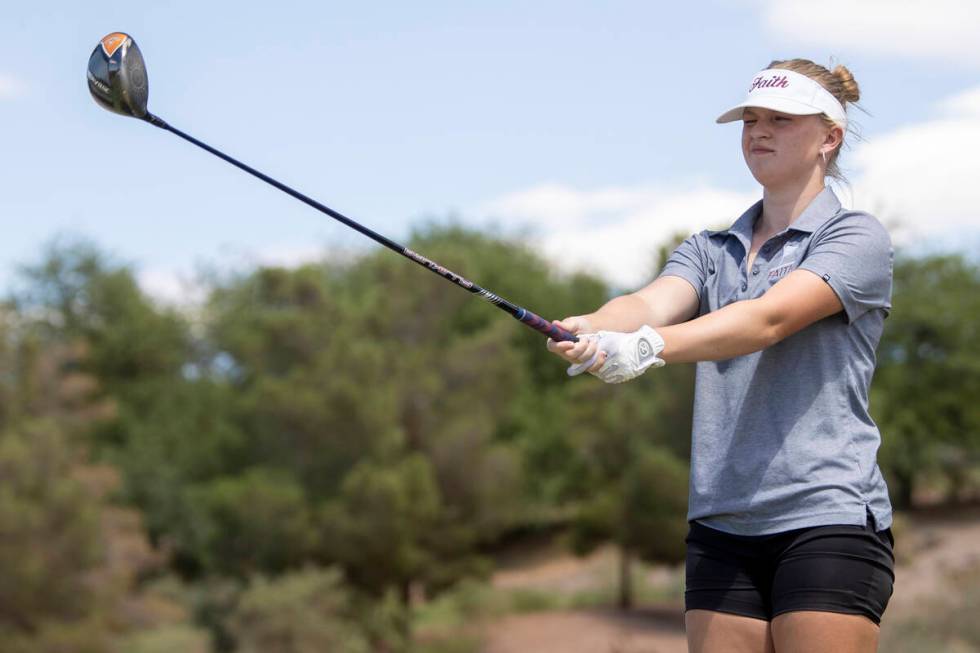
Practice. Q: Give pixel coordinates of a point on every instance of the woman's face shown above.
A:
(782, 148)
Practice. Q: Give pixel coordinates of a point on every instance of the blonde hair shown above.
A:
(840, 83)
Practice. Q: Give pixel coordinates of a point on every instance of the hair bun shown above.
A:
(850, 92)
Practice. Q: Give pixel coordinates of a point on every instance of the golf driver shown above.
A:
(117, 81)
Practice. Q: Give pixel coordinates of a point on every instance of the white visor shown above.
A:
(788, 92)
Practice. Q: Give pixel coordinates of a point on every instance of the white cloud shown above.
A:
(11, 87)
(941, 29)
(965, 104)
(170, 286)
(614, 232)
(287, 256)
(926, 175)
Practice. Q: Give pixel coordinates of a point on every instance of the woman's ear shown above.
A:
(835, 136)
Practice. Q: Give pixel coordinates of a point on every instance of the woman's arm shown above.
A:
(667, 300)
(744, 327)
(798, 300)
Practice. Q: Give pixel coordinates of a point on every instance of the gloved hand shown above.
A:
(628, 355)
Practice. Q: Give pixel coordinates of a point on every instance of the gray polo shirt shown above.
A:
(782, 437)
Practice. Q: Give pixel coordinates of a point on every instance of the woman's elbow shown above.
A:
(774, 327)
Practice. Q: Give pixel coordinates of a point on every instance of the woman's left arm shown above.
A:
(744, 327)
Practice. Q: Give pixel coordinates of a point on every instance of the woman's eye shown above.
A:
(749, 122)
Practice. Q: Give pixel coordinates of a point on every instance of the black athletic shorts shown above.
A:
(847, 569)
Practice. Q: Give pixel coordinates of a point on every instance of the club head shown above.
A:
(117, 75)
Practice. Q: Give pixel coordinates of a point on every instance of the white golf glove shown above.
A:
(628, 355)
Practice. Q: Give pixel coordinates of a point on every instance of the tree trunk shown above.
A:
(405, 593)
(901, 492)
(625, 578)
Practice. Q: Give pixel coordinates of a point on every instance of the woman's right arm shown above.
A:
(667, 300)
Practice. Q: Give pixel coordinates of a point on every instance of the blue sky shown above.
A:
(587, 126)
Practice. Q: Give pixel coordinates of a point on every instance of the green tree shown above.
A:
(928, 375)
(78, 294)
(160, 417)
(632, 489)
(175, 436)
(70, 557)
(390, 529)
(375, 362)
(50, 545)
(256, 521)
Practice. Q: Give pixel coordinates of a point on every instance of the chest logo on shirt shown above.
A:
(781, 271)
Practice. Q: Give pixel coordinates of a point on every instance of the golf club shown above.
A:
(117, 80)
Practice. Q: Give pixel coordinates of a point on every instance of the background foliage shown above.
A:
(301, 461)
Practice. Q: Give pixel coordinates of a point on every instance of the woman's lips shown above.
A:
(760, 150)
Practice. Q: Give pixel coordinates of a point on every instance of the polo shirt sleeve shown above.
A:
(688, 262)
(853, 254)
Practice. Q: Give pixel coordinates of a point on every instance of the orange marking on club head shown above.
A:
(112, 42)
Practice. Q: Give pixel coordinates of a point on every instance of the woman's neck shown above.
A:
(781, 205)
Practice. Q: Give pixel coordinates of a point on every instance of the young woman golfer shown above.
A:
(789, 548)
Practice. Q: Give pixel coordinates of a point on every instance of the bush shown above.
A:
(168, 639)
(312, 611)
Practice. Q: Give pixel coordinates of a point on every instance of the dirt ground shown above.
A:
(935, 547)
(593, 631)
(930, 548)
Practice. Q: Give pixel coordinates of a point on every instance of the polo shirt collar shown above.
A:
(819, 210)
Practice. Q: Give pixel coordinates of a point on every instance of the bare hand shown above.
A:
(577, 352)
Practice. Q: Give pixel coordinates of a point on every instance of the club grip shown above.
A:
(547, 328)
